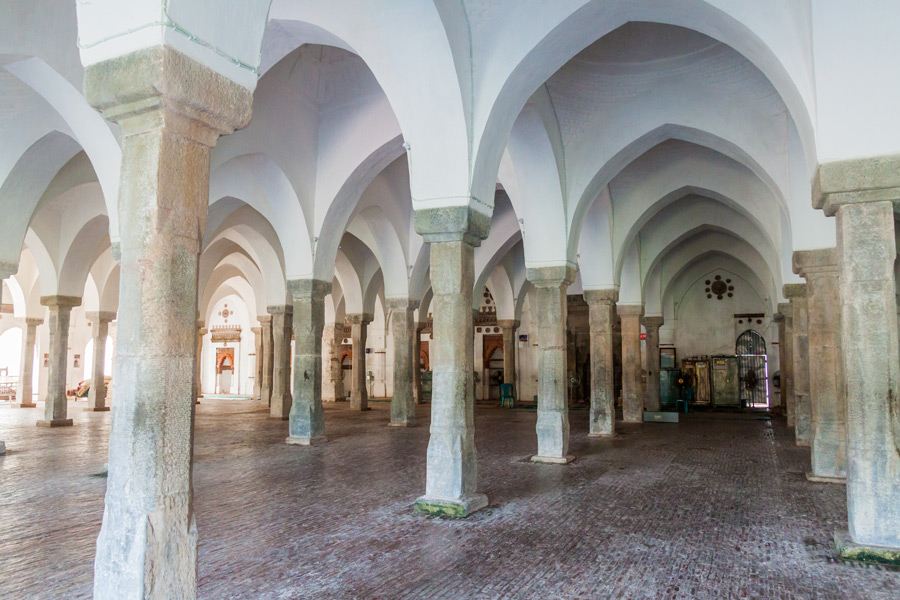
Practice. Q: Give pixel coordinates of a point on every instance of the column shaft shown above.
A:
(417, 364)
(553, 403)
(452, 469)
(257, 363)
(509, 327)
(25, 393)
(826, 370)
(268, 365)
(147, 546)
(198, 368)
(403, 407)
(56, 403)
(632, 384)
(602, 307)
(796, 293)
(333, 381)
(307, 419)
(786, 360)
(97, 393)
(280, 407)
(359, 396)
(867, 250)
(652, 325)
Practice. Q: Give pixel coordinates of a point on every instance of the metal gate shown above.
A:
(752, 369)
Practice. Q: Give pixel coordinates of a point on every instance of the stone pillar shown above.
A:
(24, 393)
(451, 465)
(632, 385)
(651, 326)
(307, 419)
(359, 396)
(863, 194)
(602, 307)
(280, 407)
(828, 403)
(198, 387)
(170, 111)
(509, 327)
(97, 394)
(403, 407)
(417, 364)
(268, 349)
(553, 405)
(258, 363)
(785, 359)
(796, 293)
(56, 403)
(333, 382)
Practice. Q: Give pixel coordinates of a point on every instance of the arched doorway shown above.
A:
(753, 369)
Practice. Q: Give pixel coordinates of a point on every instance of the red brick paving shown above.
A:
(714, 507)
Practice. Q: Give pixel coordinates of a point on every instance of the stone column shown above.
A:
(24, 393)
(796, 293)
(333, 382)
(786, 359)
(417, 364)
(651, 326)
(97, 393)
(307, 419)
(198, 387)
(56, 403)
(452, 466)
(632, 386)
(403, 406)
(509, 327)
(602, 307)
(863, 194)
(280, 407)
(828, 403)
(359, 397)
(258, 364)
(170, 111)
(553, 404)
(268, 348)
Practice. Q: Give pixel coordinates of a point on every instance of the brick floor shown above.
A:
(713, 507)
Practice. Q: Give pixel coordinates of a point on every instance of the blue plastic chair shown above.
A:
(506, 395)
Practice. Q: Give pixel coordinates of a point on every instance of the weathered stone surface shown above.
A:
(170, 110)
(602, 307)
(861, 180)
(452, 224)
(258, 363)
(796, 293)
(826, 370)
(850, 550)
(869, 335)
(359, 329)
(651, 326)
(97, 394)
(786, 357)
(198, 367)
(268, 362)
(24, 392)
(403, 407)
(333, 376)
(553, 406)
(307, 420)
(417, 364)
(632, 382)
(280, 407)
(55, 402)
(451, 464)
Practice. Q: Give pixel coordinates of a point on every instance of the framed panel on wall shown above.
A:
(667, 358)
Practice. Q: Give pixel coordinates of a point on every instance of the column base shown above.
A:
(810, 476)
(305, 440)
(403, 424)
(54, 423)
(553, 460)
(27, 405)
(804, 443)
(461, 508)
(850, 550)
(96, 409)
(602, 435)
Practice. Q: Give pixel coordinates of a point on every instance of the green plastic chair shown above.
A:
(506, 395)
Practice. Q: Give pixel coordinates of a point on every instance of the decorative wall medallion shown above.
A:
(719, 288)
(225, 313)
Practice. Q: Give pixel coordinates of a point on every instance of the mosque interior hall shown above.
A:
(449, 299)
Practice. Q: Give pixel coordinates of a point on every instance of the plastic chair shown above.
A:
(506, 395)
(681, 402)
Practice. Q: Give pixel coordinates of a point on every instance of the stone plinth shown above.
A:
(602, 314)
(307, 419)
(632, 382)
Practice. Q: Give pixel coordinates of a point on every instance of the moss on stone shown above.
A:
(446, 509)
